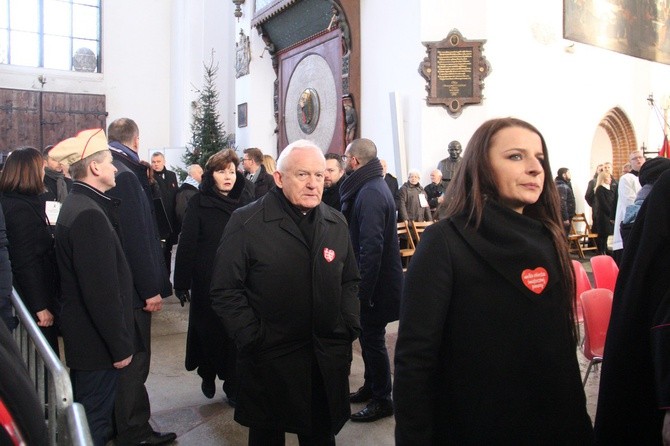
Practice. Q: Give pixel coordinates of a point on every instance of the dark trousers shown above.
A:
(132, 409)
(167, 254)
(321, 435)
(96, 391)
(376, 359)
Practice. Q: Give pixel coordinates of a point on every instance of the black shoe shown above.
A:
(362, 395)
(208, 388)
(159, 438)
(374, 411)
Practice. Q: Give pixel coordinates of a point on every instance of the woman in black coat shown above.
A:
(208, 348)
(30, 236)
(604, 209)
(486, 350)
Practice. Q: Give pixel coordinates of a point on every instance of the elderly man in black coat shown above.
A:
(370, 210)
(97, 309)
(285, 283)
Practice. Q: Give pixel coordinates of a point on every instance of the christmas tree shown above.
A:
(207, 133)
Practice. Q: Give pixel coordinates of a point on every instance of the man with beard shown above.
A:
(332, 180)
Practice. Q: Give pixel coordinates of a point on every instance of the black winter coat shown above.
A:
(604, 208)
(206, 217)
(635, 379)
(97, 285)
(370, 211)
(139, 234)
(31, 252)
(184, 194)
(167, 183)
(485, 354)
(263, 183)
(287, 306)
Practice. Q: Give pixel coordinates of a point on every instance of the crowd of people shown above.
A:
(285, 264)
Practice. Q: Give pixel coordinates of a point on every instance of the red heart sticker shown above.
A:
(328, 254)
(536, 279)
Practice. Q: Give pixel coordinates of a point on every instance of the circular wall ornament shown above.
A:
(84, 59)
(311, 102)
(308, 110)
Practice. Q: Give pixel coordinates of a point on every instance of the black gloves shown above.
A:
(183, 296)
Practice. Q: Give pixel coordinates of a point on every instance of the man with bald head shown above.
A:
(187, 189)
(370, 210)
(629, 186)
(284, 284)
(435, 191)
(449, 165)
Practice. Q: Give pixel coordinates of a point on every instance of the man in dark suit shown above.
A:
(284, 283)
(167, 184)
(332, 180)
(97, 315)
(254, 171)
(141, 246)
(392, 183)
(370, 210)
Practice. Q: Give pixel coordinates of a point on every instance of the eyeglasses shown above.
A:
(639, 157)
(246, 159)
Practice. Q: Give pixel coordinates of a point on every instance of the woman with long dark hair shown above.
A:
(30, 236)
(486, 350)
(208, 348)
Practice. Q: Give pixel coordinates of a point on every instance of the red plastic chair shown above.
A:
(583, 283)
(605, 271)
(597, 306)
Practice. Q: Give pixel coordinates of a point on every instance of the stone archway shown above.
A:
(622, 136)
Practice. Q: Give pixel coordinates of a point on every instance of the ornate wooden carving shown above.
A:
(454, 69)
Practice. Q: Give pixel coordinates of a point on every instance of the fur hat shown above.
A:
(86, 143)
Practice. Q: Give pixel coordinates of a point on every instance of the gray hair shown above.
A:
(299, 144)
(192, 168)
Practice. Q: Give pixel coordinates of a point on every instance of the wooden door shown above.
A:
(37, 118)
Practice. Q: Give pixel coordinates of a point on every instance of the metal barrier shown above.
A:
(52, 382)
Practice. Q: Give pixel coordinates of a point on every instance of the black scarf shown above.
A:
(352, 184)
(511, 243)
(61, 186)
(305, 220)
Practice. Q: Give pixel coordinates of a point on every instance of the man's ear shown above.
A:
(93, 168)
(277, 175)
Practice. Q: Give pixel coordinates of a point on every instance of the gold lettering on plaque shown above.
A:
(454, 71)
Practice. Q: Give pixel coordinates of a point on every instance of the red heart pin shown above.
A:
(536, 279)
(328, 254)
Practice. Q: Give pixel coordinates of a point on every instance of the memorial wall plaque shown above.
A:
(454, 70)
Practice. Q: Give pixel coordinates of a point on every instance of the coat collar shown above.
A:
(274, 211)
(514, 245)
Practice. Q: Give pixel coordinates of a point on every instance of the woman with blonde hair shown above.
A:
(486, 350)
(269, 163)
(604, 209)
